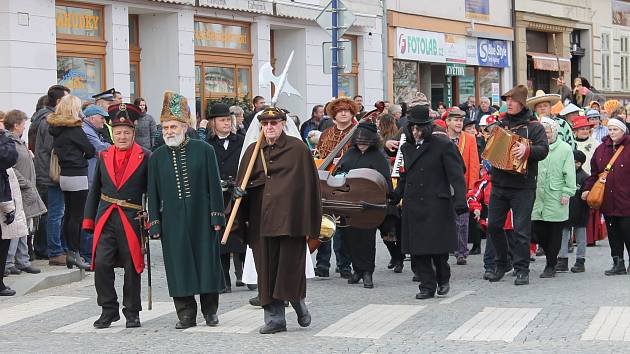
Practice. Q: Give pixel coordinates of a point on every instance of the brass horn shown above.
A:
(328, 228)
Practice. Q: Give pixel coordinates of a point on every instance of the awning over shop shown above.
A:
(549, 62)
(183, 2)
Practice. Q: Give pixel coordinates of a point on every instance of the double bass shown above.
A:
(360, 196)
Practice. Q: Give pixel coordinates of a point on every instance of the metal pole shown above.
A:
(385, 38)
(334, 49)
(514, 46)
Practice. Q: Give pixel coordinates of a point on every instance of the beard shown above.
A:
(175, 140)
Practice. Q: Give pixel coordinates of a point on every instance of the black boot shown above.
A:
(367, 280)
(618, 268)
(303, 316)
(255, 301)
(579, 266)
(562, 265)
(185, 322)
(496, 275)
(425, 294)
(212, 320)
(398, 268)
(355, 278)
(106, 320)
(443, 289)
(549, 272)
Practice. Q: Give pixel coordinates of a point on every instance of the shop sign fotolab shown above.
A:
(420, 45)
(492, 53)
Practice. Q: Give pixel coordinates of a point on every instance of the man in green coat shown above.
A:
(186, 211)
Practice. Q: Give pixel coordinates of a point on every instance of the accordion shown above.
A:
(498, 151)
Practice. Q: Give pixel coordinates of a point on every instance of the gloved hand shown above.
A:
(9, 217)
(238, 192)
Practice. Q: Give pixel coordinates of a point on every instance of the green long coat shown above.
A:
(185, 201)
(556, 179)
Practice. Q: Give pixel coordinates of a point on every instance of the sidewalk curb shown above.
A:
(47, 280)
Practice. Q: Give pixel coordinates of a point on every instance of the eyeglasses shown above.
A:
(273, 123)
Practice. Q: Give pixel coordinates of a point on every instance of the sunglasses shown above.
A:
(273, 123)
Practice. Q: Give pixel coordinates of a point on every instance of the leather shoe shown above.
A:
(443, 289)
(133, 320)
(521, 279)
(496, 276)
(487, 275)
(304, 320)
(185, 322)
(31, 270)
(461, 260)
(212, 320)
(355, 278)
(7, 292)
(14, 271)
(255, 301)
(252, 287)
(398, 268)
(424, 294)
(272, 328)
(239, 283)
(367, 280)
(106, 320)
(391, 265)
(322, 273)
(57, 260)
(346, 274)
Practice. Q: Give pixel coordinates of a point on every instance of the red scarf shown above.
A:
(121, 159)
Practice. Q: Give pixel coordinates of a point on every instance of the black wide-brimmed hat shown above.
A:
(366, 133)
(124, 114)
(419, 115)
(219, 110)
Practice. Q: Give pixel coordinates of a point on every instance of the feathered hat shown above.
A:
(175, 107)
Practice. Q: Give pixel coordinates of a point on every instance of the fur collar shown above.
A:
(63, 121)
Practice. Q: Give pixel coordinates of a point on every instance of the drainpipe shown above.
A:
(514, 44)
(384, 40)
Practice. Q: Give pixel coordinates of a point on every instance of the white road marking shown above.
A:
(35, 307)
(241, 320)
(372, 321)
(86, 326)
(611, 323)
(495, 324)
(451, 300)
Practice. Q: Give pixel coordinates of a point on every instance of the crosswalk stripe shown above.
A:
(611, 323)
(35, 307)
(372, 321)
(86, 326)
(244, 319)
(452, 299)
(495, 324)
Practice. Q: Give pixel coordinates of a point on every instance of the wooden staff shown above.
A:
(555, 50)
(237, 202)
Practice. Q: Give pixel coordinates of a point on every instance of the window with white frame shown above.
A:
(606, 60)
(624, 56)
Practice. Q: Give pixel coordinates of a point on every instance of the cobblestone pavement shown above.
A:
(572, 313)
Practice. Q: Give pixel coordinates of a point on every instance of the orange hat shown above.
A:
(611, 105)
(557, 108)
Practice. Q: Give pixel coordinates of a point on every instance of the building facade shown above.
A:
(204, 49)
(449, 52)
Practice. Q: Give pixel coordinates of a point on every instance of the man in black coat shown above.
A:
(120, 179)
(8, 158)
(227, 147)
(434, 191)
(516, 192)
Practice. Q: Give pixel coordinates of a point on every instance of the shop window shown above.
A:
(348, 82)
(466, 85)
(489, 79)
(80, 48)
(223, 61)
(405, 80)
(83, 76)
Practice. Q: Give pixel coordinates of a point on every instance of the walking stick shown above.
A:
(237, 202)
(147, 248)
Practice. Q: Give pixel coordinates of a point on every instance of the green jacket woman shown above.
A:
(556, 179)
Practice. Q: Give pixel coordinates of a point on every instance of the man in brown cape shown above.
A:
(282, 208)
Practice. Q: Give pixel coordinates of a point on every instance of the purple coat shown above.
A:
(617, 193)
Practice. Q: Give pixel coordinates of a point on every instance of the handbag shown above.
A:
(595, 197)
(54, 170)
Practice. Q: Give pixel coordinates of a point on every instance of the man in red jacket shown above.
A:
(467, 147)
